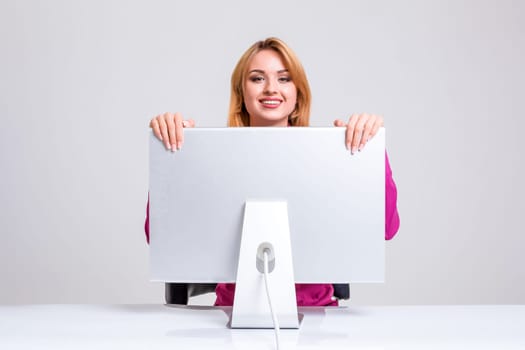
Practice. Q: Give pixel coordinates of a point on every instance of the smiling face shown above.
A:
(270, 95)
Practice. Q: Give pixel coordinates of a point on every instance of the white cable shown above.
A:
(274, 316)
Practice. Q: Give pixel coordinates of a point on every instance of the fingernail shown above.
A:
(179, 145)
(360, 148)
(353, 150)
(167, 146)
(173, 148)
(348, 146)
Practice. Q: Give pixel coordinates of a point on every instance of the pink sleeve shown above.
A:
(391, 214)
(146, 223)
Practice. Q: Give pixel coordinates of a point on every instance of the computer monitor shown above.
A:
(335, 202)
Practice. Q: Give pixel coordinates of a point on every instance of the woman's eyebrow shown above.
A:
(262, 71)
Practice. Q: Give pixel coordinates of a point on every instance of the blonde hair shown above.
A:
(300, 116)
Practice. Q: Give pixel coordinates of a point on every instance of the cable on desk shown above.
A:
(274, 316)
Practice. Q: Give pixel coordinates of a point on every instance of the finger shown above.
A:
(168, 117)
(358, 132)
(339, 122)
(377, 125)
(164, 131)
(367, 131)
(179, 133)
(190, 123)
(350, 131)
(154, 125)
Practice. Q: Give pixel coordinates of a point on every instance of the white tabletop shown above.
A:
(163, 327)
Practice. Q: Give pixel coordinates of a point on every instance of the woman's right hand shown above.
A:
(168, 128)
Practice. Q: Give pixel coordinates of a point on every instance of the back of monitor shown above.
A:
(336, 202)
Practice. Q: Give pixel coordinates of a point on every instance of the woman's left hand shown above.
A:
(359, 129)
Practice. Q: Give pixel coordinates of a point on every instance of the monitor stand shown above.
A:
(265, 226)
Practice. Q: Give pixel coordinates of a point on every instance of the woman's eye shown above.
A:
(256, 79)
(285, 79)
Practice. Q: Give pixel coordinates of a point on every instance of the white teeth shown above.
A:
(270, 102)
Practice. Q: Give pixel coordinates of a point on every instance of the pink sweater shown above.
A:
(317, 294)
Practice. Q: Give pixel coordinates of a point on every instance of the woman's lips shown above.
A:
(270, 103)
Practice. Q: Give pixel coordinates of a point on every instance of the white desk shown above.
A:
(161, 327)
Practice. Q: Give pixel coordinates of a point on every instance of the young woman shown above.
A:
(269, 88)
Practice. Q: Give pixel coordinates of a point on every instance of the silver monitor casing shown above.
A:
(336, 202)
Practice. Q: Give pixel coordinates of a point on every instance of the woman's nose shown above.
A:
(271, 86)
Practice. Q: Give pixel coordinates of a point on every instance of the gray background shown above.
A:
(79, 82)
